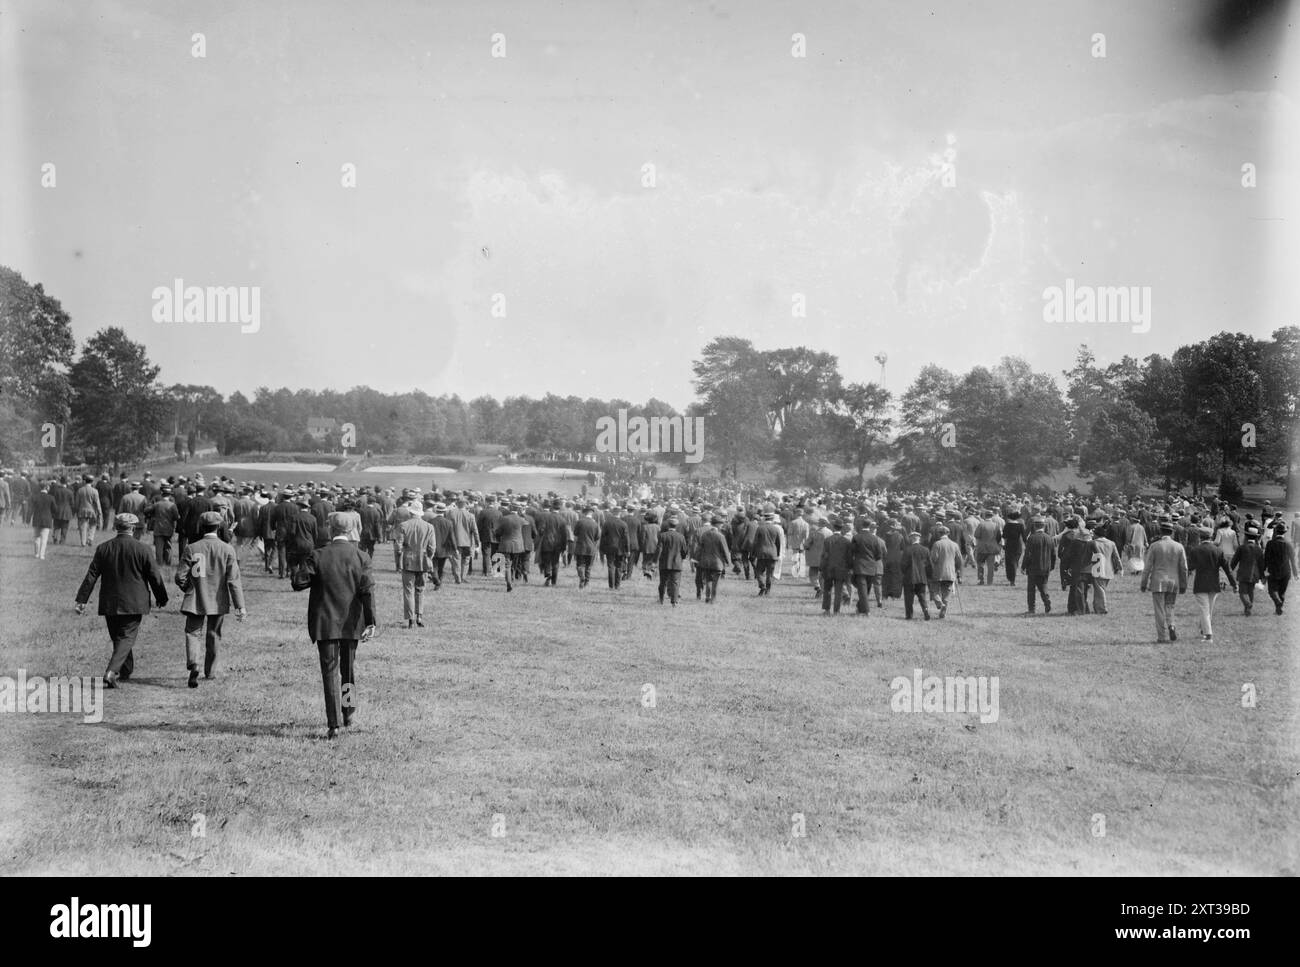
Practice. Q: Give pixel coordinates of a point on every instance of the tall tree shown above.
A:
(36, 348)
(117, 410)
(861, 425)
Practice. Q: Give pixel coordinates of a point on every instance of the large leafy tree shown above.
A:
(861, 423)
(118, 411)
(36, 347)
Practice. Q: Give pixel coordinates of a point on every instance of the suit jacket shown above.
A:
(1248, 562)
(372, 523)
(767, 543)
(552, 532)
(868, 553)
(342, 602)
(945, 560)
(672, 550)
(132, 502)
(988, 539)
(1277, 559)
(129, 575)
(87, 501)
(1040, 554)
(648, 537)
(613, 537)
(509, 535)
(586, 537)
(1165, 566)
(42, 506)
(916, 564)
(1206, 560)
(463, 526)
(837, 556)
(418, 541)
(632, 525)
(486, 520)
(162, 516)
(444, 540)
(712, 550)
(299, 533)
(213, 577)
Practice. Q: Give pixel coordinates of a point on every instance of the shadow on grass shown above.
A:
(282, 730)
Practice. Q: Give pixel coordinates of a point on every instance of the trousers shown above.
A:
(202, 630)
(338, 659)
(122, 631)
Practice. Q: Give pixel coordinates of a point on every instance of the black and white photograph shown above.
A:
(650, 438)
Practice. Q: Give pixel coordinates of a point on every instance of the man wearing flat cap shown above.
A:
(1164, 572)
(208, 576)
(1248, 564)
(130, 576)
(1205, 560)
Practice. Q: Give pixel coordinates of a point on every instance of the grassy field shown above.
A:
(512, 736)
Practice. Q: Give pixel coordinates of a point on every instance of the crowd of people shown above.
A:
(852, 548)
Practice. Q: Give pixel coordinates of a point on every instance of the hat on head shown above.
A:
(126, 522)
(210, 517)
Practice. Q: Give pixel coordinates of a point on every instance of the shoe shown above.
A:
(194, 678)
(419, 622)
(1173, 635)
(927, 616)
(332, 734)
(411, 624)
(110, 680)
(1207, 637)
(1047, 607)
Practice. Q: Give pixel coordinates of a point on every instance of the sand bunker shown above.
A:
(279, 467)
(411, 469)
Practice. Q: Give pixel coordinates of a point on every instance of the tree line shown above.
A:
(1214, 412)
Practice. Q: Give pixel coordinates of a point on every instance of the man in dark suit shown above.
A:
(586, 544)
(340, 612)
(509, 537)
(1248, 563)
(712, 558)
(868, 563)
(765, 551)
(486, 521)
(1038, 562)
(552, 538)
(1278, 566)
(129, 573)
(613, 546)
(672, 551)
(162, 516)
(372, 525)
(916, 575)
(836, 566)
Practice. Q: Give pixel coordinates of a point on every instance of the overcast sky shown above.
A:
(522, 175)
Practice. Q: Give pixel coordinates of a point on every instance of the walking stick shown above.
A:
(961, 604)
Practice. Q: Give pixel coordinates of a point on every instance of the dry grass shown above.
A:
(528, 707)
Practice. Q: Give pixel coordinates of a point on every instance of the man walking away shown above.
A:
(836, 567)
(1038, 563)
(1278, 566)
(1205, 560)
(1248, 562)
(1164, 571)
(672, 551)
(129, 576)
(209, 579)
(340, 612)
(916, 575)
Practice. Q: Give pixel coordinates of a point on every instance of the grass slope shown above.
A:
(524, 712)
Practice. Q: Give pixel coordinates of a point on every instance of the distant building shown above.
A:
(319, 427)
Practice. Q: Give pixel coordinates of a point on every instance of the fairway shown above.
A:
(590, 732)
